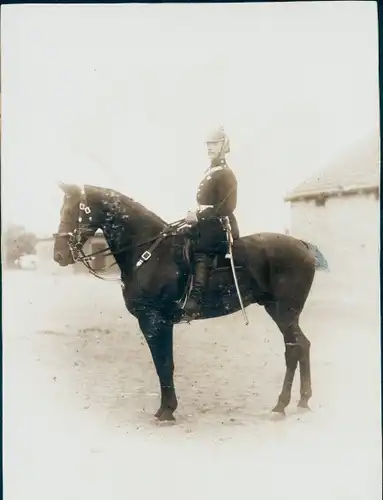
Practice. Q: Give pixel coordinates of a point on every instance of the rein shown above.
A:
(75, 244)
(156, 240)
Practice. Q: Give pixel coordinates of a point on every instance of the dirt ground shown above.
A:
(80, 391)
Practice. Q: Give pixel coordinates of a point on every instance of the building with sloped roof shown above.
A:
(338, 210)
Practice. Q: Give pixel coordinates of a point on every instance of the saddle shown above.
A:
(184, 257)
(220, 261)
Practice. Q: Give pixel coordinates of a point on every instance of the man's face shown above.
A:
(214, 149)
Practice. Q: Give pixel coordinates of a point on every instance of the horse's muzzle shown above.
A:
(59, 258)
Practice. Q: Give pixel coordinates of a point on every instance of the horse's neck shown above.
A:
(129, 232)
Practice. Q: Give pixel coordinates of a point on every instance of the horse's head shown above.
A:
(84, 210)
(78, 222)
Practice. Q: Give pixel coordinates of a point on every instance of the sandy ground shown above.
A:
(80, 390)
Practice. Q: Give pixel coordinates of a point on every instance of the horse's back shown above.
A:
(279, 263)
(278, 247)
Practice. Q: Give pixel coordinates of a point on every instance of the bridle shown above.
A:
(76, 240)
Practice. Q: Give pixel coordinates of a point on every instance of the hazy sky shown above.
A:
(123, 96)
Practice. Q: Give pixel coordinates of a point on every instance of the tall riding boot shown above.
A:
(201, 271)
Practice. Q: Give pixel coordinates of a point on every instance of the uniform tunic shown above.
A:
(217, 197)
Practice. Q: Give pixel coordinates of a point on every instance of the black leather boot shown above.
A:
(201, 272)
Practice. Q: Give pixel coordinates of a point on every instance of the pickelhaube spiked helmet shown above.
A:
(219, 135)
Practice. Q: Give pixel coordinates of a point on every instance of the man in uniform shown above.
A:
(217, 199)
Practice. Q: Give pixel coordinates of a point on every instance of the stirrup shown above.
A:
(193, 312)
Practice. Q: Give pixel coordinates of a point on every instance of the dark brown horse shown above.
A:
(274, 270)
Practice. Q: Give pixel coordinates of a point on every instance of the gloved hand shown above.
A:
(191, 217)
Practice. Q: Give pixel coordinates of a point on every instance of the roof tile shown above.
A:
(357, 169)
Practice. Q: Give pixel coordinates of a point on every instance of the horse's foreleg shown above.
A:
(159, 336)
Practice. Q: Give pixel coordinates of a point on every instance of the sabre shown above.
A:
(230, 256)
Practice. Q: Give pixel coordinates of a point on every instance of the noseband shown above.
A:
(75, 238)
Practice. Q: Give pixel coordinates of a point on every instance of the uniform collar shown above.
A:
(216, 165)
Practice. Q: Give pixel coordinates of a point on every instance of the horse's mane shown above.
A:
(129, 202)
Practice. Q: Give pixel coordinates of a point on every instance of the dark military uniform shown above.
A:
(217, 198)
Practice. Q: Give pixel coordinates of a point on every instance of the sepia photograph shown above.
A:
(191, 251)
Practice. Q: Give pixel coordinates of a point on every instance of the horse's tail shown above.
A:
(320, 260)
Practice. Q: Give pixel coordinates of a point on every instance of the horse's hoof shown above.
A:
(165, 415)
(303, 406)
(279, 409)
(277, 416)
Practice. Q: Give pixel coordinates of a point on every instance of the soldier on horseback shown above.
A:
(217, 200)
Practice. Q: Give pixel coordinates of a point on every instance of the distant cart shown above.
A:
(27, 262)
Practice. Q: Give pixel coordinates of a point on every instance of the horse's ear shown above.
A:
(62, 186)
(69, 188)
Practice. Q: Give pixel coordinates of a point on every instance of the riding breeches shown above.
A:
(211, 237)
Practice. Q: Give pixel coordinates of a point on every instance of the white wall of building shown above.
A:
(347, 231)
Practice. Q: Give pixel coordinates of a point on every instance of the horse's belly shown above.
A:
(221, 296)
(152, 286)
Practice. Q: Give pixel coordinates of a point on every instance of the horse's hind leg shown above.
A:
(297, 350)
(305, 370)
